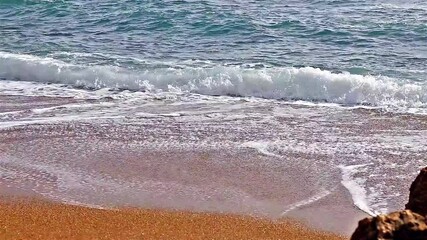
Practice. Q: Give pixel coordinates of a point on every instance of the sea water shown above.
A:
(219, 61)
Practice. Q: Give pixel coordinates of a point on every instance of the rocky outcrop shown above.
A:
(410, 224)
(403, 225)
(418, 194)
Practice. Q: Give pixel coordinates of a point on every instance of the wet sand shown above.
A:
(271, 161)
(151, 180)
(36, 219)
(23, 217)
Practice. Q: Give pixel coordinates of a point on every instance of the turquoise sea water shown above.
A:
(223, 47)
(285, 87)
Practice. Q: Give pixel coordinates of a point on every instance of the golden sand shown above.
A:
(31, 219)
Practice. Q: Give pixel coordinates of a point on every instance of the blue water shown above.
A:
(211, 42)
(215, 76)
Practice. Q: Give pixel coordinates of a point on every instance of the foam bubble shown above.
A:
(318, 196)
(261, 147)
(309, 84)
(355, 187)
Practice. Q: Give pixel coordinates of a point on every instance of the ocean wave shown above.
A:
(307, 83)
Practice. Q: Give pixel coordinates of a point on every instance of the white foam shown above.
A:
(308, 201)
(356, 189)
(261, 147)
(309, 84)
(401, 6)
(51, 120)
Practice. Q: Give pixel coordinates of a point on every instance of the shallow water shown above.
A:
(225, 154)
(234, 105)
(288, 50)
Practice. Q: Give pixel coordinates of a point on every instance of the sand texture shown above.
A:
(34, 219)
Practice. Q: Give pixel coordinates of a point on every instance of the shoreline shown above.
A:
(330, 215)
(31, 218)
(249, 159)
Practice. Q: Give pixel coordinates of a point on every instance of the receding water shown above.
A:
(235, 105)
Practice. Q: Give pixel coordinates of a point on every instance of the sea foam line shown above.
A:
(320, 195)
(307, 83)
(357, 192)
(261, 147)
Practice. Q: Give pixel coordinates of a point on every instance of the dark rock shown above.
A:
(402, 225)
(418, 194)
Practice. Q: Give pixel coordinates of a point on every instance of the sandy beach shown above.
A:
(208, 119)
(35, 219)
(213, 175)
(25, 213)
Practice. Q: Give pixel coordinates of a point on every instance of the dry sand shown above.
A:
(35, 219)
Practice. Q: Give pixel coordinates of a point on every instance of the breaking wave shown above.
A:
(307, 83)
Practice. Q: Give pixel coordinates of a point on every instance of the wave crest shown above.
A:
(310, 84)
